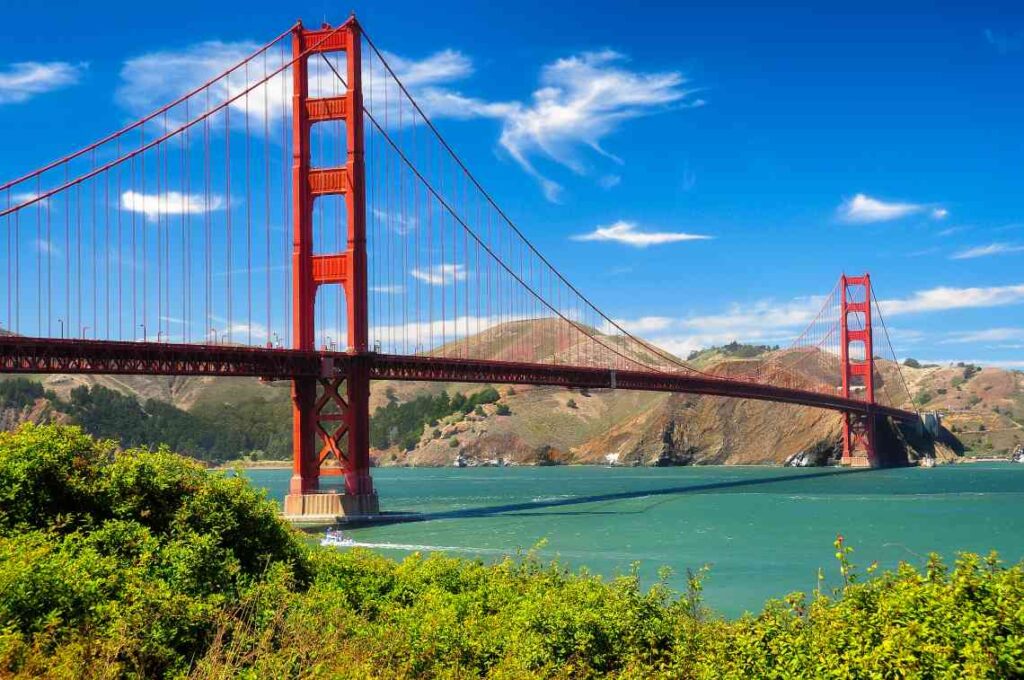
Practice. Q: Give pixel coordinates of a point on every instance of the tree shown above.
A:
(504, 410)
(911, 363)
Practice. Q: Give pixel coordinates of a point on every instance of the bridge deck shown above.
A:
(41, 356)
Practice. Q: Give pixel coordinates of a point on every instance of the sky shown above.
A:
(704, 173)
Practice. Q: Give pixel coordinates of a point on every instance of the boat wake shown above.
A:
(417, 547)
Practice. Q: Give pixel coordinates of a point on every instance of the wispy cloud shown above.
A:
(46, 247)
(647, 324)
(388, 290)
(986, 250)
(944, 298)
(151, 80)
(863, 209)
(779, 322)
(581, 99)
(440, 274)
(1014, 364)
(986, 335)
(169, 203)
(627, 232)
(1004, 43)
(766, 321)
(23, 80)
(155, 78)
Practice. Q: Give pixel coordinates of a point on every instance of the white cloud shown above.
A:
(644, 324)
(20, 198)
(580, 100)
(388, 290)
(440, 274)
(944, 298)
(863, 209)
(626, 232)
(610, 181)
(152, 80)
(169, 203)
(21, 81)
(998, 363)
(984, 251)
(46, 247)
(765, 321)
(775, 322)
(986, 335)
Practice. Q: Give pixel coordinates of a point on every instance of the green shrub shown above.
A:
(136, 551)
(141, 564)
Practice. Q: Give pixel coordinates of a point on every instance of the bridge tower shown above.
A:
(331, 413)
(857, 354)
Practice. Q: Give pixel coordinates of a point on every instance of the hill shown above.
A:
(541, 425)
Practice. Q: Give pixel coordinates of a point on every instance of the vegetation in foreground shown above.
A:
(143, 564)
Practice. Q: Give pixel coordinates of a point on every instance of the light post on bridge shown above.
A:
(61, 322)
(85, 330)
(143, 327)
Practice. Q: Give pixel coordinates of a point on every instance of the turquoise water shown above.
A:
(763, 531)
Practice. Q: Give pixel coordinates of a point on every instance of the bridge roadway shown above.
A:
(42, 355)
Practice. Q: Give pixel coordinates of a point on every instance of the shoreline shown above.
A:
(254, 465)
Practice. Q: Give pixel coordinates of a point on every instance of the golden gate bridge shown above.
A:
(299, 217)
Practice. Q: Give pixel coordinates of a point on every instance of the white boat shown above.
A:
(336, 538)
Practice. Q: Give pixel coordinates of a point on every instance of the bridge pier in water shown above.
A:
(331, 429)
(858, 370)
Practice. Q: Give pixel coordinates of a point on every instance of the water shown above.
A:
(763, 531)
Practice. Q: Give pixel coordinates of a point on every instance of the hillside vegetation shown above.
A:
(141, 564)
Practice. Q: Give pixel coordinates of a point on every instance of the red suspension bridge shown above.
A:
(299, 217)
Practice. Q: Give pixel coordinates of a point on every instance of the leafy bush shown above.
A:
(130, 555)
(571, 403)
(503, 410)
(911, 363)
(142, 564)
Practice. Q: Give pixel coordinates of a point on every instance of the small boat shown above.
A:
(336, 538)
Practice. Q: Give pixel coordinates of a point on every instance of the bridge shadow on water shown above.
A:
(529, 508)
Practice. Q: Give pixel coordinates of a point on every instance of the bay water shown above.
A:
(763, 531)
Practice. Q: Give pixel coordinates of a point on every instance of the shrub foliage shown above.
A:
(142, 564)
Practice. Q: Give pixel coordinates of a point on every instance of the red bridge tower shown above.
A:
(857, 370)
(331, 413)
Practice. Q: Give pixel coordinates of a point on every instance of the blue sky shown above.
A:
(798, 142)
